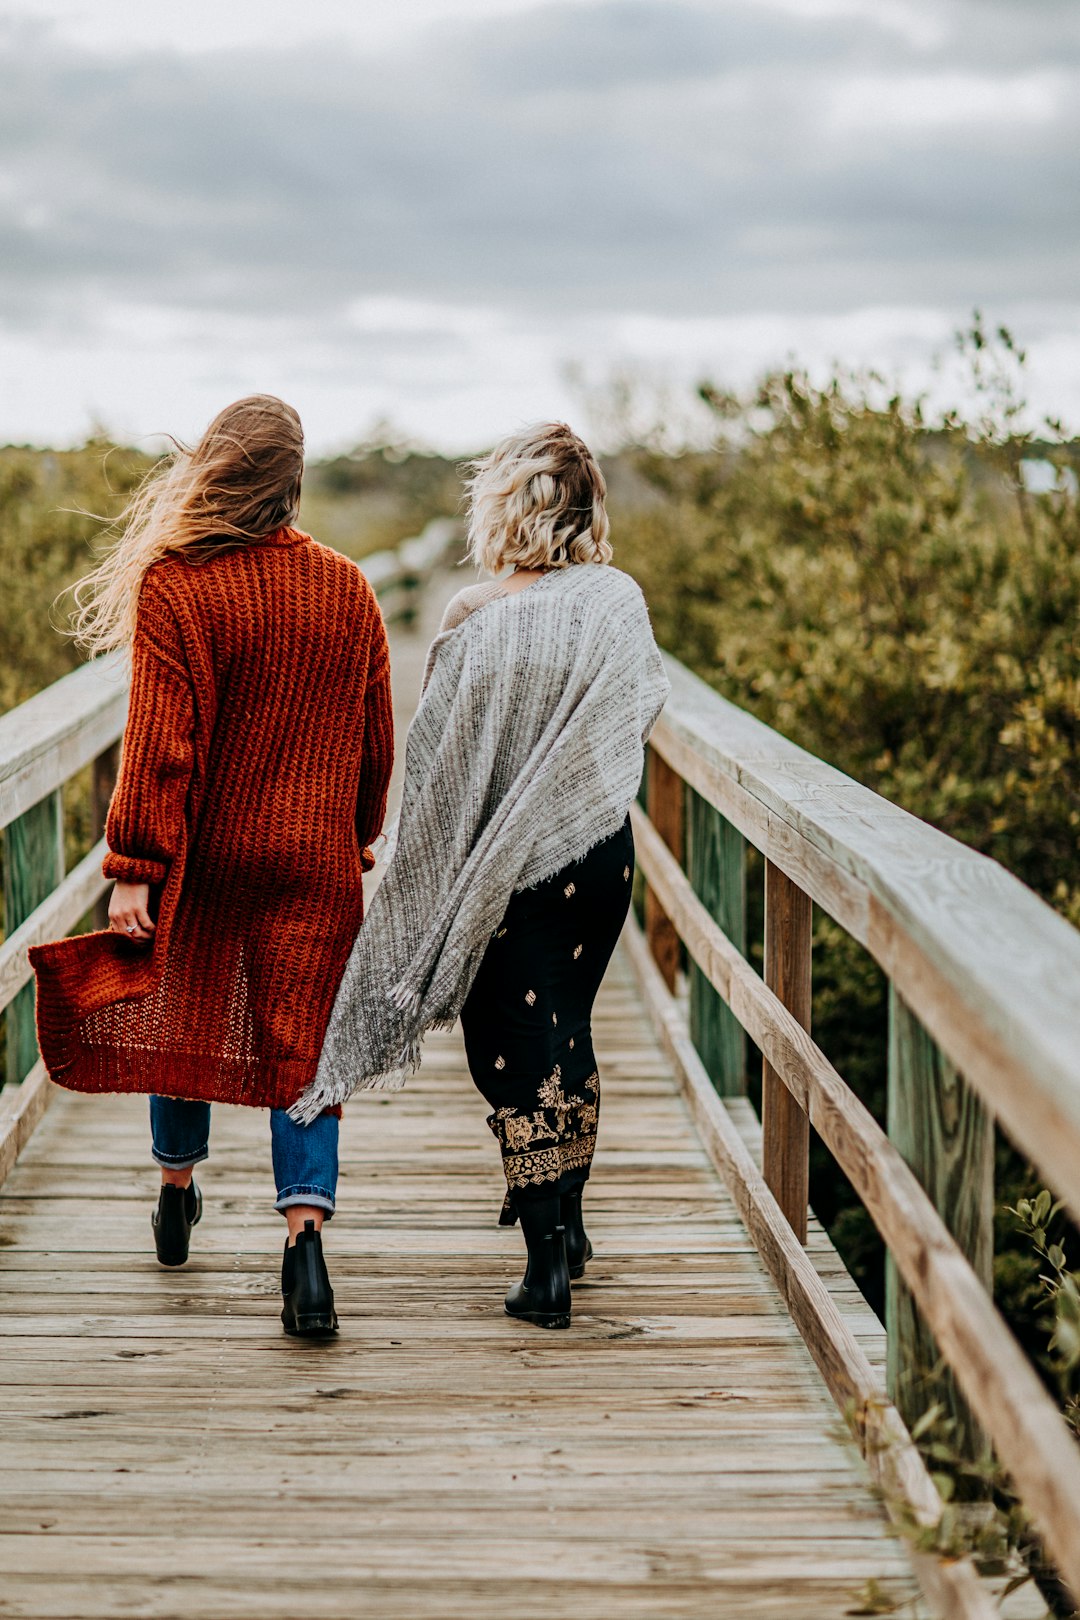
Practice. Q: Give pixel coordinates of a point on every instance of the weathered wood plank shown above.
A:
(102, 783)
(631, 1455)
(664, 801)
(954, 1590)
(992, 970)
(21, 1107)
(785, 1127)
(53, 735)
(716, 867)
(995, 1376)
(33, 866)
(943, 1134)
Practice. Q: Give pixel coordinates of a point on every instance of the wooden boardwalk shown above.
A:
(167, 1451)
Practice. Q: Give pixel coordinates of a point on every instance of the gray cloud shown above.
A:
(632, 154)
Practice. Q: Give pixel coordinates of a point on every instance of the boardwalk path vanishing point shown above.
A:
(167, 1452)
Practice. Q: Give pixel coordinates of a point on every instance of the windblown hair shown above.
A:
(537, 501)
(240, 483)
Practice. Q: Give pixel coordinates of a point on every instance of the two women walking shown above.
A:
(239, 967)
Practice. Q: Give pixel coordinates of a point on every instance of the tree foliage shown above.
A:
(891, 595)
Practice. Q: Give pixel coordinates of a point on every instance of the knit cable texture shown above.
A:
(256, 760)
(526, 751)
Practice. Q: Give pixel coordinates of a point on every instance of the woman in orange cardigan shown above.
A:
(256, 759)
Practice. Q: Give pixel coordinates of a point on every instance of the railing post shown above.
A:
(716, 867)
(33, 866)
(785, 1127)
(945, 1135)
(102, 782)
(664, 793)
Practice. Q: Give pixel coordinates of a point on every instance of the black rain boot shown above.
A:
(178, 1210)
(543, 1295)
(578, 1247)
(308, 1308)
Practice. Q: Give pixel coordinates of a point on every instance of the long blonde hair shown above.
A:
(240, 483)
(537, 501)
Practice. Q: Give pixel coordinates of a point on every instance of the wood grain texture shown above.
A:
(53, 735)
(664, 802)
(33, 866)
(716, 867)
(943, 1134)
(673, 1454)
(993, 972)
(997, 1380)
(21, 1109)
(102, 783)
(785, 1127)
(953, 1589)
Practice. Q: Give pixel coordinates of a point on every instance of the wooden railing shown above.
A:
(77, 723)
(984, 1007)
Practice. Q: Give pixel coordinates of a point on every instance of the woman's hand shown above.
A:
(129, 912)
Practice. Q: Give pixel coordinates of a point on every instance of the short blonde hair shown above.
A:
(537, 501)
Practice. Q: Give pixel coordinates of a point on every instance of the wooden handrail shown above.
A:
(1002, 1387)
(993, 972)
(977, 964)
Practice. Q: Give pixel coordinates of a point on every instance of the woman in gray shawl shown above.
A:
(511, 875)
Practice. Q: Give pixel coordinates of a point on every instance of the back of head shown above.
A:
(537, 501)
(240, 483)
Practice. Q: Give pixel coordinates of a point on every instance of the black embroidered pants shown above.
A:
(528, 1019)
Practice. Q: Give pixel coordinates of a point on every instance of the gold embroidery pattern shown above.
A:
(559, 1136)
(530, 998)
(577, 951)
(571, 888)
(500, 1063)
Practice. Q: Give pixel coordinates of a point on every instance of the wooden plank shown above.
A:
(785, 1128)
(21, 1107)
(716, 867)
(994, 1375)
(664, 800)
(57, 915)
(102, 783)
(992, 970)
(953, 1589)
(53, 735)
(33, 866)
(630, 1457)
(943, 1134)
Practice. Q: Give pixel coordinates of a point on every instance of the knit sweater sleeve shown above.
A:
(378, 745)
(145, 823)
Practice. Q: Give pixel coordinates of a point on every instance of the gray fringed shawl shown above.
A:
(525, 752)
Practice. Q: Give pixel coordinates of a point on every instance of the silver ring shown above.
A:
(132, 928)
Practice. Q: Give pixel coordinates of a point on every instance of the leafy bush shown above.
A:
(890, 595)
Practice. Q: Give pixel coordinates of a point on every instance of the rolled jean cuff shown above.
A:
(180, 1161)
(316, 1197)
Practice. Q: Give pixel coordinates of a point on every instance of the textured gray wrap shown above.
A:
(526, 751)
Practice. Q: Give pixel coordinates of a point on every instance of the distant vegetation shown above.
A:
(374, 497)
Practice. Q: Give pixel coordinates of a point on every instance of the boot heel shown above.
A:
(307, 1297)
(543, 1295)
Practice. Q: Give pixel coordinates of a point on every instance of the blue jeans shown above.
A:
(305, 1156)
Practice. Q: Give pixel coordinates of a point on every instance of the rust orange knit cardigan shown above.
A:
(256, 760)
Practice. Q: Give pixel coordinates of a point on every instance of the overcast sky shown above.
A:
(428, 210)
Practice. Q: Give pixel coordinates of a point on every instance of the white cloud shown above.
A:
(431, 217)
